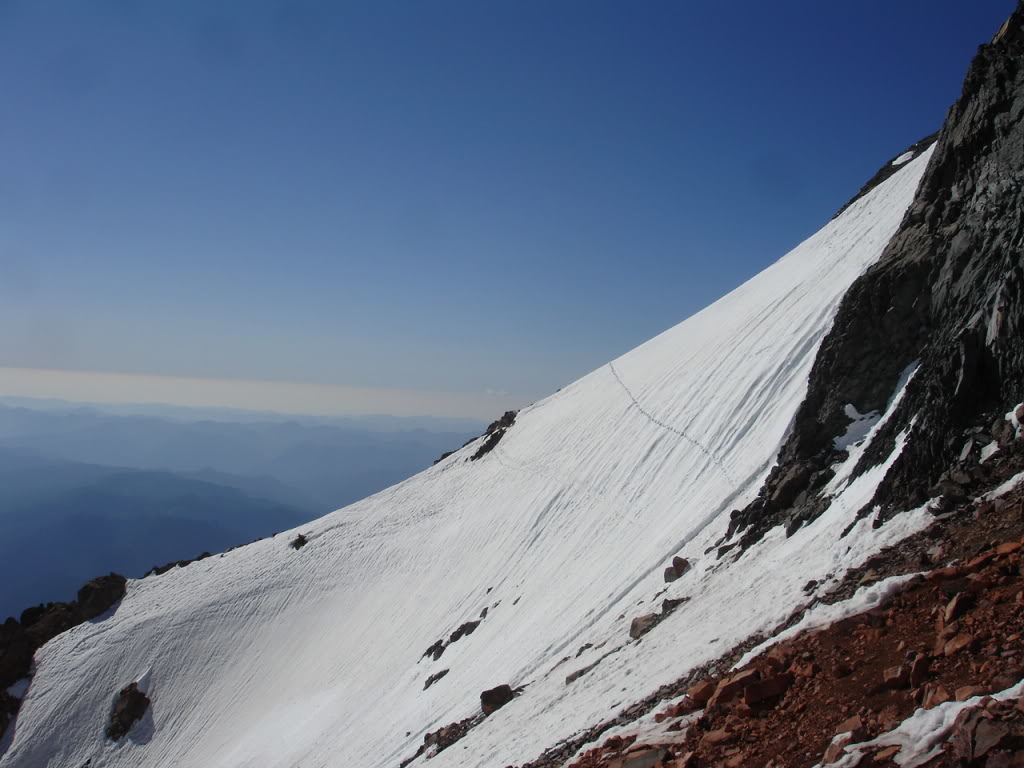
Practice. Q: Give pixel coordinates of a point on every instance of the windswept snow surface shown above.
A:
(270, 656)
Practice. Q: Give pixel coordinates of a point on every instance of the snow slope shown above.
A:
(267, 656)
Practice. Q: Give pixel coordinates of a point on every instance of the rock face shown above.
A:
(131, 705)
(945, 296)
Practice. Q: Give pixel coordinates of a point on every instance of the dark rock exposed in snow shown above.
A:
(129, 708)
(495, 431)
(434, 678)
(467, 628)
(946, 296)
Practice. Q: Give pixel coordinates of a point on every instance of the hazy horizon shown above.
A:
(273, 397)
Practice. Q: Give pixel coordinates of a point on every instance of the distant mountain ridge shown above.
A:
(109, 491)
(325, 465)
(65, 522)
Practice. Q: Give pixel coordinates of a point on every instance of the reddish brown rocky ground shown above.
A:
(953, 633)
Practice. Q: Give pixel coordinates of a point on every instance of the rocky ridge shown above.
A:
(944, 305)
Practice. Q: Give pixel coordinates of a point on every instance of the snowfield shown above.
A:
(274, 657)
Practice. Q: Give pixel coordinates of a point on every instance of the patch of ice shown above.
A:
(645, 728)
(19, 689)
(1003, 489)
(864, 599)
(844, 469)
(859, 428)
(905, 157)
(921, 736)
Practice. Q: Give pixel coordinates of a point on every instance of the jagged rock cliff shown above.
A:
(943, 304)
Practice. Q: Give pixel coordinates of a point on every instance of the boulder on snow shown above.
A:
(97, 596)
(495, 698)
(129, 708)
(641, 625)
(680, 565)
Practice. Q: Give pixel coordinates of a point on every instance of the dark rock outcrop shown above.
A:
(493, 434)
(946, 296)
(129, 708)
(39, 624)
(464, 629)
(8, 709)
(16, 649)
(97, 596)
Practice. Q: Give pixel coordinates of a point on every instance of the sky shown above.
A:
(434, 197)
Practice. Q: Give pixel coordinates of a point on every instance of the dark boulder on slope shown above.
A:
(946, 296)
(129, 708)
(496, 698)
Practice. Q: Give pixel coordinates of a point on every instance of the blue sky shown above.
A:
(430, 195)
